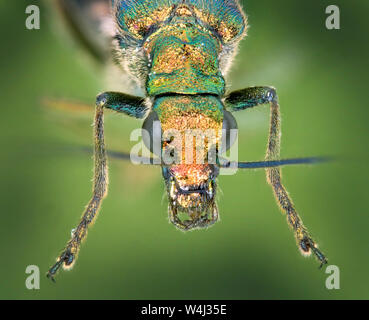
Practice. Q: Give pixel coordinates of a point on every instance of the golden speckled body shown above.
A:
(179, 52)
(179, 46)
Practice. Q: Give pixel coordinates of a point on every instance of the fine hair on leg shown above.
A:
(100, 184)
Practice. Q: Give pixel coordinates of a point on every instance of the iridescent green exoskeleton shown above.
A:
(178, 52)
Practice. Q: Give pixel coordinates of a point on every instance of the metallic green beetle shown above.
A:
(178, 52)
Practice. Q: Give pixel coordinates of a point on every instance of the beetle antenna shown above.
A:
(130, 157)
(275, 163)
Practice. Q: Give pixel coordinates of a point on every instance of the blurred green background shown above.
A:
(132, 252)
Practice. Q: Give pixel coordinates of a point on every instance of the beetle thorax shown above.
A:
(184, 59)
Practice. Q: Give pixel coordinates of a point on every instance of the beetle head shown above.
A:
(189, 131)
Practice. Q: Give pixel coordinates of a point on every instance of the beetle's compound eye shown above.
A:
(229, 132)
(151, 133)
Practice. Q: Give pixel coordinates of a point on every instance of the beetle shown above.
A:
(178, 52)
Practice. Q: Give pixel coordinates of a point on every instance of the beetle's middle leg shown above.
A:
(251, 97)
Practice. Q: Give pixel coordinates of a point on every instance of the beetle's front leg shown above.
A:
(131, 106)
(123, 103)
(254, 96)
